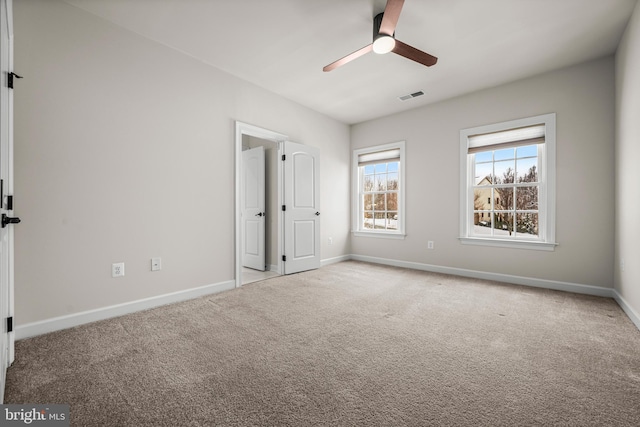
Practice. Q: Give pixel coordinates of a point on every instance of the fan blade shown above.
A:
(414, 54)
(357, 54)
(390, 18)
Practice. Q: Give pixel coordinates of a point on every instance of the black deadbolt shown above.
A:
(9, 220)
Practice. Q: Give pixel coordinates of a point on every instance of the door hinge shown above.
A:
(9, 203)
(284, 157)
(9, 324)
(10, 76)
(284, 257)
(284, 208)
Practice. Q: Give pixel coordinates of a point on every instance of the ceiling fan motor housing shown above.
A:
(377, 21)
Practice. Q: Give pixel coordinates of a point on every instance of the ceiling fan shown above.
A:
(384, 27)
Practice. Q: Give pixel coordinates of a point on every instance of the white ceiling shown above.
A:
(282, 45)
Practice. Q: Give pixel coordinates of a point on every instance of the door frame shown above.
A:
(242, 129)
(6, 169)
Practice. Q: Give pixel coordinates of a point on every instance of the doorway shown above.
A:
(249, 137)
(296, 213)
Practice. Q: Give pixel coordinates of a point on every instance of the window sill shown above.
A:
(378, 234)
(513, 244)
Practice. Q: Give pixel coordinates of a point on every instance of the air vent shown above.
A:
(411, 95)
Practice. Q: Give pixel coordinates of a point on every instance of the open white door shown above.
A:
(6, 189)
(253, 208)
(301, 212)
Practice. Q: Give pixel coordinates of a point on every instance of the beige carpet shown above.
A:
(351, 344)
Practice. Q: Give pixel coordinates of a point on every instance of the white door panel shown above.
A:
(253, 209)
(302, 212)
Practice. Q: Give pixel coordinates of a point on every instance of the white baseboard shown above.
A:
(633, 315)
(335, 260)
(69, 321)
(518, 280)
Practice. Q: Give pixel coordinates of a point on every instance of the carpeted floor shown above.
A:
(351, 344)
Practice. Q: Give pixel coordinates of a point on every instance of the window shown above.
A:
(507, 189)
(378, 192)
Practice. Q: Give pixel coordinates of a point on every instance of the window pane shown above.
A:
(381, 167)
(368, 170)
(392, 220)
(505, 172)
(527, 225)
(483, 170)
(482, 223)
(368, 183)
(528, 170)
(527, 198)
(506, 154)
(379, 202)
(392, 181)
(392, 201)
(528, 151)
(480, 196)
(392, 167)
(380, 220)
(485, 156)
(503, 224)
(506, 198)
(381, 182)
(368, 220)
(368, 202)
(482, 218)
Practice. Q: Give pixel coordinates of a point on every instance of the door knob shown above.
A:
(317, 213)
(261, 214)
(9, 220)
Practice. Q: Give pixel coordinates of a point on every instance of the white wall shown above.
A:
(627, 235)
(583, 98)
(124, 150)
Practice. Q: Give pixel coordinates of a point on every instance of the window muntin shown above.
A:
(508, 184)
(378, 191)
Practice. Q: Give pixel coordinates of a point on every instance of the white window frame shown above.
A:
(547, 186)
(357, 227)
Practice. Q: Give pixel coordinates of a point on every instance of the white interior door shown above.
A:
(301, 198)
(253, 209)
(6, 176)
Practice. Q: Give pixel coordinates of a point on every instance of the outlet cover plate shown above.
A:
(117, 269)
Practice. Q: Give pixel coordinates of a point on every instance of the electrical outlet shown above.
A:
(117, 269)
(430, 244)
(156, 264)
(330, 241)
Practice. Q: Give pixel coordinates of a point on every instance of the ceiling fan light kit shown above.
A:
(384, 44)
(384, 27)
